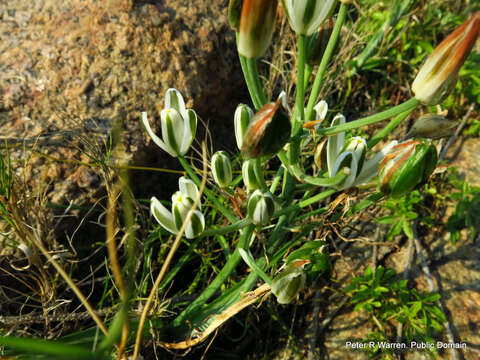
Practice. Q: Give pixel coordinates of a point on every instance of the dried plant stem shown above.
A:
(170, 255)
(33, 239)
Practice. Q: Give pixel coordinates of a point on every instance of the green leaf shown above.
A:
(43, 347)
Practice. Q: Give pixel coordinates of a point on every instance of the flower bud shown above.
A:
(268, 132)
(260, 207)
(221, 169)
(252, 175)
(289, 283)
(305, 16)
(178, 125)
(439, 73)
(234, 13)
(257, 24)
(241, 120)
(432, 126)
(408, 165)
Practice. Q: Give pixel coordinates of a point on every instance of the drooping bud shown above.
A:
(234, 13)
(257, 24)
(289, 283)
(252, 175)
(268, 132)
(178, 124)
(317, 43)
(221, 169)
(438, 75)
(432, 126)
(260, 207)
(408, 165)
(241, 120)
(305, 16)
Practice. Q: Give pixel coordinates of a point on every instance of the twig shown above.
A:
(434, 288)
(169, 258)
(454, 137)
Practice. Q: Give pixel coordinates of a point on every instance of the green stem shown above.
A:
(220, 279)
(305, 203)
(318, 181)
(258, 87)
(248, 80)
(210, 194)
(300, 100)
(388, 129)
(332, 42)
(399, 109)
(227, 229)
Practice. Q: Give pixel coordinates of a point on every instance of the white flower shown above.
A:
(306, 16)
(182, 202)
(178, 124)
(335, 154)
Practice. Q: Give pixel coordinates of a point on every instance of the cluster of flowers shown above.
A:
(400, 166)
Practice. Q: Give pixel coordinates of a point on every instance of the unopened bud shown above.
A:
(408, 165)
(260, 207)
(432, 126)
(257, 24)
(221, 169)
(438, 75)
(268, 132)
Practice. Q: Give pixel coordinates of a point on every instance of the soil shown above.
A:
(70, 68)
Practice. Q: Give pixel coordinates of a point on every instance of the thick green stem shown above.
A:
(325, 60)
(211, 196)
(388, 129)
(399, 109)
(305, 203)
(248, 79)
(227, 229)
(257, 84)
(300, 100)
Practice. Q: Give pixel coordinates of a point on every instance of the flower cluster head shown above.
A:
(439, 73)
(335, 154)
(178, 125)
(182, 203)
